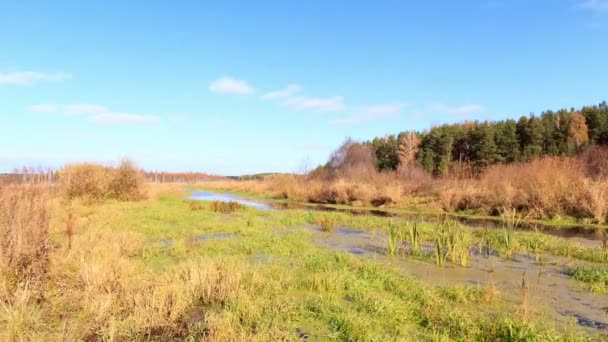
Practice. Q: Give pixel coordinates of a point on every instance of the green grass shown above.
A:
(267, 281)
(596, 277)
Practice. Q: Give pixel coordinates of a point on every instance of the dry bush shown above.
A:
(414, 179)
(127, 182)
(97, 182)
(85, 180)
(328, 194)
(24, 232)
(594, 162)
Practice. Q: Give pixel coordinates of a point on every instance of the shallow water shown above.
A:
(586, 236)
(223, 197)
(552, 291)
(201, 238)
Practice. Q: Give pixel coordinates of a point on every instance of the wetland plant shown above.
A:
(441, 253)
(596, 277)
(511, 220)
(464, 242)
(394, 238)
(507, 236)
(523, 305)
(328, 223)
(225, 207)
(195, 206)
(413, 232)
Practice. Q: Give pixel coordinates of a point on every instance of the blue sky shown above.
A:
(241, 87)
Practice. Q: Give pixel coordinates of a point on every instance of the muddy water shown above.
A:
(552, 291)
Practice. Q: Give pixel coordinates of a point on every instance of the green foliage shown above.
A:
(485, 143)
(596, 277)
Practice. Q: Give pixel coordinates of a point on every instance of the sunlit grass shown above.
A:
(135, 271)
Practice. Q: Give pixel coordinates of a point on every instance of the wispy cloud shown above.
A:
(23, 78)
(595, 5)
(371, 113)
(317, 104)
(457, 111)
(281, 94)
(95, 113)
(229, 85)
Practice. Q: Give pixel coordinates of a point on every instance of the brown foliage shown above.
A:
(96, 182)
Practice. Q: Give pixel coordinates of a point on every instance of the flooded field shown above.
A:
(539, 284)
(547, 286)
(225, 197)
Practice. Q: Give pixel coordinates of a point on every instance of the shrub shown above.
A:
(127, 182)
(97, 182)
(85, 180)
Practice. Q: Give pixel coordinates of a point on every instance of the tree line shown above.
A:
(478, 144)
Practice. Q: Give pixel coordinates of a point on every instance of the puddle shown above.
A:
(223, 197)
(552, 291)
(201, 238)
(210, 236)
(580, 232)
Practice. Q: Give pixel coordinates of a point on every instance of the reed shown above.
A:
(441, 251)
(226, 207)
(328, 222)
(413, 232)
(523, 304)
(394, 238)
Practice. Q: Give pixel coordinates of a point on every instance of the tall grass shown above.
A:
(24, 232)
(225, 207)
(327, 222)
(596, 277)
(394, 238)
(413, 232)
(547, 187)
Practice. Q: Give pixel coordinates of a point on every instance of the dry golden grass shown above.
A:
(24, 232)
(549, 187)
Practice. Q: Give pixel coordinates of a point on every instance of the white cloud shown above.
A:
(595, 5)
(96, 113)
(31, 77)
(228, 85)
(316, 104)
(372, 113)
(460, 111)
(286, 92)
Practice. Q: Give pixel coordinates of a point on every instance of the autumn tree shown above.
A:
(578, 133)
(409, 144)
